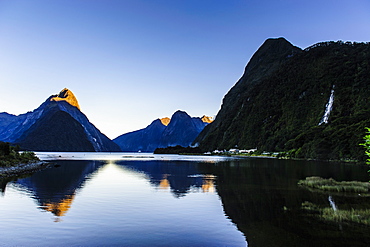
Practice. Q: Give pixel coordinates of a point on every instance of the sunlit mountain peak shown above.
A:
(68, 96)
(207, 119)
(165, 120)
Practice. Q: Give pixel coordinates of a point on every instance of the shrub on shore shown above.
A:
(10, 155)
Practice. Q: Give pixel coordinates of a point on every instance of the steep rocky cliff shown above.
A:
(313, 102)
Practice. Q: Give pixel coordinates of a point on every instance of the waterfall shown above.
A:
(328, 108)
(332, 204)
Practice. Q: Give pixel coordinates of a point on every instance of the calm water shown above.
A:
(102, 199)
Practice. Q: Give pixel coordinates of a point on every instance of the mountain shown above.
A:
(146, 140)
(207, 119)
(6, 119)
(165, 121)
(313, 103)
(67, 96)
(56, 125)
(181, 129)
(56, 131)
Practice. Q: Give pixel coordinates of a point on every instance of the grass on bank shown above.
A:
(358, 216)
(335, 186)
(10, 156)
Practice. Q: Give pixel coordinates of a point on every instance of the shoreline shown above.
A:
(301, 159)
(24, 168)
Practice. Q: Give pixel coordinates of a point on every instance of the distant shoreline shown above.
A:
(21, 169)
(276, 157)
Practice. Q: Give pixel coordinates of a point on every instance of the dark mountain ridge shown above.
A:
(56, 130)
(182, 130)
(146, 140)
(279, 102)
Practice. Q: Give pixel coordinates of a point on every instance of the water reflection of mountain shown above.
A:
(261, 197)
(3, 183)
(180, 176)
(55, 188)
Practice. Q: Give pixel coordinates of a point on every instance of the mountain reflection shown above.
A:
(164, 183)
(3, 183)
(59, 208)
(262, 198)
(208, 183)
(181, 177)
(55, 188)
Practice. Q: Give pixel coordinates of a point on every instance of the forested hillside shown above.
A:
(280, 102)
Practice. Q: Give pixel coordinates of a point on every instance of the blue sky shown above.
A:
(132, 61)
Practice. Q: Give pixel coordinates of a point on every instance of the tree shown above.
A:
(367, 145)
(10, 155)
(4, 148)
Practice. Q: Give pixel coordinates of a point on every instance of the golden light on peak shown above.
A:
(207, 119)
(68, 96)
(165, 120)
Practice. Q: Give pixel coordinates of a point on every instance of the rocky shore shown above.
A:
(21, 169)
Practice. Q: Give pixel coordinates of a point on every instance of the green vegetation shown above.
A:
(366, 144)
(10, 156)
(359, 216)
(335, 186)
